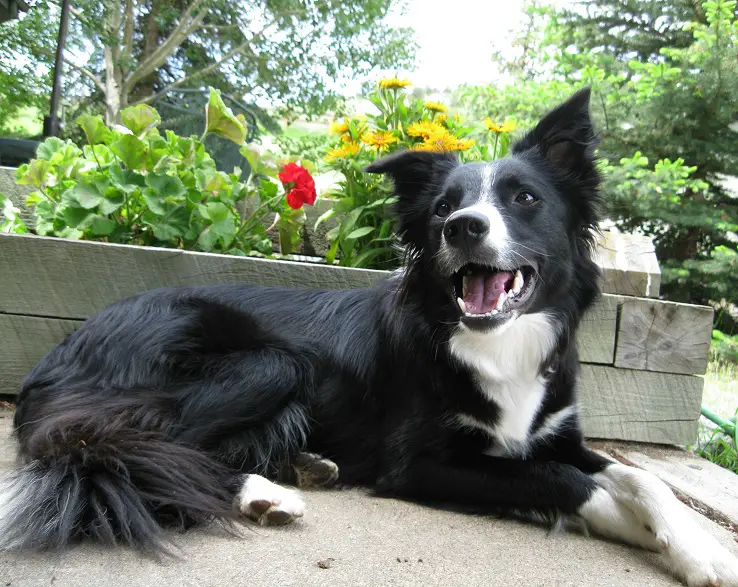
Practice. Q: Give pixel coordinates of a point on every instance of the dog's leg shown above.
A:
(267, 503)
(309, 470)
(637, 507)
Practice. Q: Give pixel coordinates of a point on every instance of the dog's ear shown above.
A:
(418, 177)
(565, 136)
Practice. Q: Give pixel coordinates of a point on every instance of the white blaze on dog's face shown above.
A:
(505, 238)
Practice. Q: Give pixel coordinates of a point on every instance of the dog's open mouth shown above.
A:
(489, 293)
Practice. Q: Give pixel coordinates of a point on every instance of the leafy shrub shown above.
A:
(364, 234)
(310, 146)
(129, 184)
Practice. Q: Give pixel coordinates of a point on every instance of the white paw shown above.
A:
(267, 503)
(695, 555)
(690, 552)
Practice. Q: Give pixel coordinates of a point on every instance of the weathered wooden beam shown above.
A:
(643, 406)
(663, 336)
(629, 264)
(25, 339)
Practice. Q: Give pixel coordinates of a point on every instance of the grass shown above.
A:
(718, 440)
(28, 122)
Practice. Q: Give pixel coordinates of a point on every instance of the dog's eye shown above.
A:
(526, 199)
(443, 209)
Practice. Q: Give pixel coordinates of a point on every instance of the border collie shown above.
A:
(451, 383)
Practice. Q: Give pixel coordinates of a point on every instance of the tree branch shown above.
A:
(128, 23)
(187, 24)
(97, 81)
(212, 67)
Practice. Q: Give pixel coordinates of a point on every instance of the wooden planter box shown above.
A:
(640, 356)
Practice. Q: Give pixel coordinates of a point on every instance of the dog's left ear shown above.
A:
(565, 136)
(418, 177)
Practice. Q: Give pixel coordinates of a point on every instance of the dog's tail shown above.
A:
(110, 473)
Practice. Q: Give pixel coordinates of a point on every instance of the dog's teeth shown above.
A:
(493, 312)
(518, 282)
(501, 301)
(462, 305)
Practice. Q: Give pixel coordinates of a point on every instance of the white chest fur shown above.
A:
(507, 363)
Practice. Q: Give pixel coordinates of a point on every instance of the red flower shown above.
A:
(302, 185)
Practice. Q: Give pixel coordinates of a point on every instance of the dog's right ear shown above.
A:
(418, 177)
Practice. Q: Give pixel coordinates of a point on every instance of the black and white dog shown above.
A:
(453, 382)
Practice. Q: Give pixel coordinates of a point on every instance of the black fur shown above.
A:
(153, 410)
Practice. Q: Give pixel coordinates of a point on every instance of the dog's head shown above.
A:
(510, 237)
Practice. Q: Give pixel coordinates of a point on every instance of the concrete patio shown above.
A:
(363, 541)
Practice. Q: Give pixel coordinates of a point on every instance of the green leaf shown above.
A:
(220, 120)
(101, 226)
(74, 217)
(125, 179)
(112, 201)
(215, 211)
(49, 147)
(364, 258)
(359, 232)
(323, 217)
(35, 173)
(140, 119)
(172, 224)
(94, 128)
(130, 150)
(155, 201)
(87, 195)
(168, 186)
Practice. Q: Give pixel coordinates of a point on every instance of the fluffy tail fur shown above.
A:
(101, 473)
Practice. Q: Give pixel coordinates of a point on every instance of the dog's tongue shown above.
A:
(482, 291)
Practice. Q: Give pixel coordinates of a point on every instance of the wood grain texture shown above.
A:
(629, 264)
(74, 279)
(663, 336)
(642, 406)
(25, 340)
(597, 332)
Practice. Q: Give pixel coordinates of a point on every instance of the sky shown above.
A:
(457, 38)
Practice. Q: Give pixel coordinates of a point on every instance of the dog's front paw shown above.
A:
(698, 558)
(267, 503)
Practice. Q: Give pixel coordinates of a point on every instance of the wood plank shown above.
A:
(636, 405)
(690, 475)
(629, 264)
(26, 340)
(663, 336)
(74, 279)
(597, 332)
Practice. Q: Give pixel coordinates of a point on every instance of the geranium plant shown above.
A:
(363, 235)
(131, 184)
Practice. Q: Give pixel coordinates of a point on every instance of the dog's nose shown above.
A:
(465, 227)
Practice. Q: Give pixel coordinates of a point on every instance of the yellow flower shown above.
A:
(380, 140)
(465, 144)
(424, 128)
(346, 138)
(345, 150)
(436, 107)
(444, 141)
(392, 83)
(338, 128)
(441, 117)
(508, 126)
